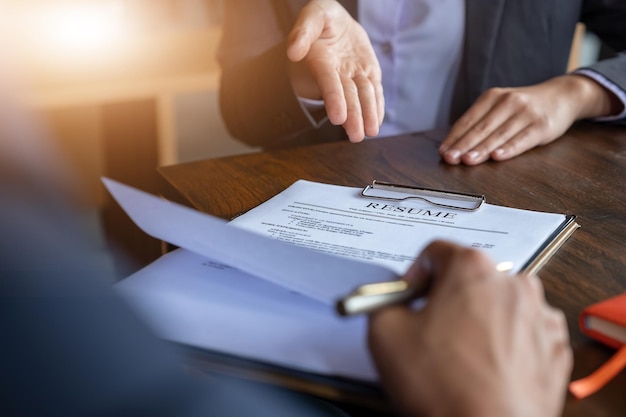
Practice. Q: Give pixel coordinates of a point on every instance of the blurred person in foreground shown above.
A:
(492, 71)
(486, 344)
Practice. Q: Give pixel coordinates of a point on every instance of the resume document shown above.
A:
(339, 221)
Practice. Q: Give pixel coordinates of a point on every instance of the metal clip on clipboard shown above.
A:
(447, 199)
(372, 296)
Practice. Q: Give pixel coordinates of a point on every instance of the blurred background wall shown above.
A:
(122, 86)
(80, 60)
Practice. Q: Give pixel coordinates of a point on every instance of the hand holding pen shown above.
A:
(485, 344)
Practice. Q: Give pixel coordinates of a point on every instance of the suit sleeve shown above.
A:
(606, 19)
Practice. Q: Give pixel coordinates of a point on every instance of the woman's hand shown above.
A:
(333, 60)
(505, 122)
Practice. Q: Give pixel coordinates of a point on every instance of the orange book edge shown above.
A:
(612, 310)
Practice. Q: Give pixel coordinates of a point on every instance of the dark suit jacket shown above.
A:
(508, 43)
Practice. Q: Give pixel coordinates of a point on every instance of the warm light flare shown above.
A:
(80, 26)
(64, 28)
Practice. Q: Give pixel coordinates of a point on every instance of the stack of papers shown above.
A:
(263, 286)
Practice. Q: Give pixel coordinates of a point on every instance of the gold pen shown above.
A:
(371, 297)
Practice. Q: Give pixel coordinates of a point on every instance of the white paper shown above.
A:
(192, 300)
(338, 220)
(320, 276)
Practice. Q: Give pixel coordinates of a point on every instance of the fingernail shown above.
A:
(454, 154)
(473, 155)
(498, 152)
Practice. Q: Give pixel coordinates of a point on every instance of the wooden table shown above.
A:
(584, 173)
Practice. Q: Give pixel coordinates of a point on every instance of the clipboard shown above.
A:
(469, 202)
(369, 297)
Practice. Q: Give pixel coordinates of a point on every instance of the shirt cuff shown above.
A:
(314, 110)
(609, 85)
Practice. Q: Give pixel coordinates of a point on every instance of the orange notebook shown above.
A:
(606, 322)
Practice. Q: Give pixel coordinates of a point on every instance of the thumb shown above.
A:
(307, 29)
(449, 266)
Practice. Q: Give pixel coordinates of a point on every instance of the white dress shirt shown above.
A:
(418, 44)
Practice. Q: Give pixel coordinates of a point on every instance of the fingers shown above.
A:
(354, 116)
(390, 339)
(380, 100)
(554, 333)
(557, 325)
(533, 283)
(362, 108)
(394, 337)
(497, 118)
(563, 348)
(387, 325)
(369, 105)
(555, 338)
(516, 144)
(467, 130)
(356, 102)
(337, 92)
(504, 123)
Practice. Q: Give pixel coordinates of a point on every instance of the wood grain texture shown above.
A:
(583, 173)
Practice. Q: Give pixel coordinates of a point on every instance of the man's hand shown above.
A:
(486, 344)
(505, 122)
(333, 59)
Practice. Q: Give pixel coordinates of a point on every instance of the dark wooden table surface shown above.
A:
(583, 173)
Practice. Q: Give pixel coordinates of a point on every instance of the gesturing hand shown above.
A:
(505, 122)
(486, 344)
(340, 67)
